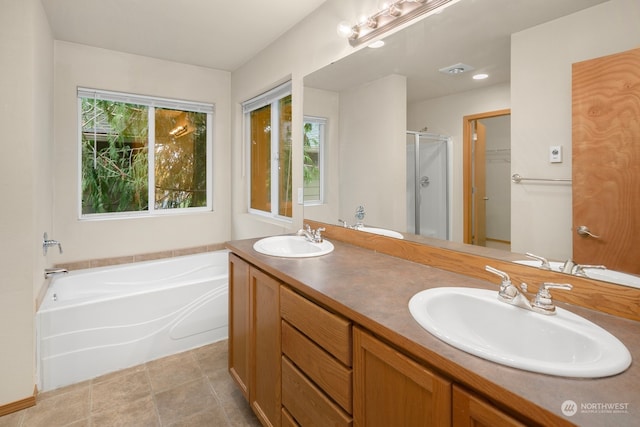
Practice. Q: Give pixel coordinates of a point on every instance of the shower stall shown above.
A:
(428, 184)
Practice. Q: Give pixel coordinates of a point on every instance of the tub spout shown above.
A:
(48, 272)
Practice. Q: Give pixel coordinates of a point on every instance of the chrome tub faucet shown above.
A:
(48, 272)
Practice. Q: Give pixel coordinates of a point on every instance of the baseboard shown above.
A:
(19, 405)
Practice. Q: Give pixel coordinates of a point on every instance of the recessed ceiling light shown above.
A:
(480, 76)
(376, 44)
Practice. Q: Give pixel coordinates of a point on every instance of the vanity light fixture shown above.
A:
(391, 15)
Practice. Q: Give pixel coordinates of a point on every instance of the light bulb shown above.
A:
(346, 30)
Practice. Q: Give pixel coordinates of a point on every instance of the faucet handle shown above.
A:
(504, 276)
(507, 290)
(568, 266)
(543, 302)
(545, 262)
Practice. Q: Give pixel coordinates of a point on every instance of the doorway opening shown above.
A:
(486, 179)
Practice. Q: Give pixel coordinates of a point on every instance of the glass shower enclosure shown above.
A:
(428, 184)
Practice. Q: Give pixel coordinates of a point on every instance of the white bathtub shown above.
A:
(100, 320)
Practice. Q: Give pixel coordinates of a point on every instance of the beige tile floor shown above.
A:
(187, 389)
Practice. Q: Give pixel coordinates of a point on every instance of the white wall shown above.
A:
(366, 136)
(541, 59)
(326, 104)
(79, 65)
(309, 46)
(444, 116)
(26, 46)
(373, 152)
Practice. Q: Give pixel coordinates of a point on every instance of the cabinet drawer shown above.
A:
(323, 369)
(306, 403)
(287, 419)
(329, 331)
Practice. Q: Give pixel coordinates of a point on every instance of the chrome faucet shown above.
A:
(543, 303)
(568, 265)
(545, 262)
(47, 243)
(511, 294)
(314, 236)
(48, 272)
(360, 213)
(578, 269)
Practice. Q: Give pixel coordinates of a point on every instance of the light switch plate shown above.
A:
(555, 154)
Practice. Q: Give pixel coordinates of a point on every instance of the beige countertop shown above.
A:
(374, 289)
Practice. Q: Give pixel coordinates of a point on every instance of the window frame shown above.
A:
(322, 122)
(152, 103)
(271, 98)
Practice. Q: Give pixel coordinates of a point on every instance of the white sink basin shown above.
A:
(381, 231)
(605, 274)
(613, 276)
(292, 247)
(475, 321)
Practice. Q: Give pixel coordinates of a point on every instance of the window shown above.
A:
(314, 134)
(268, 129)
(143, 155)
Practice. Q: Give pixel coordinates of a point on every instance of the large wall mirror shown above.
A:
(385, 112)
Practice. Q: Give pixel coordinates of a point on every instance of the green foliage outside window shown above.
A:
(115, 157)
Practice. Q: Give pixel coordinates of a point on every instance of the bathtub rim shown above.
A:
(44, 289)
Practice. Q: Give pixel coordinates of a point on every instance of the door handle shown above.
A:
(583, 230)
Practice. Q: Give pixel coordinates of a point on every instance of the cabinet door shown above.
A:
(239, 322)
(471, 411)
(264, 381)
(392, 390)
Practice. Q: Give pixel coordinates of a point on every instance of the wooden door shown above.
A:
(479, 185)
(468, 161)
(606, 160)
(264, 381)
(239, 323)
(389, 389)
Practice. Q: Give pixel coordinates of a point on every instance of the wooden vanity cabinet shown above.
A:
(316, 363)
(392, 390)
(254, 338)
(239, 322)
(472, 411)
(299, 364)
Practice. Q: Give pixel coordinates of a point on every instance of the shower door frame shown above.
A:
(416, 181)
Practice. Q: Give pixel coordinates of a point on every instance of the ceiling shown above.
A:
(472, 32)
(219, 34)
